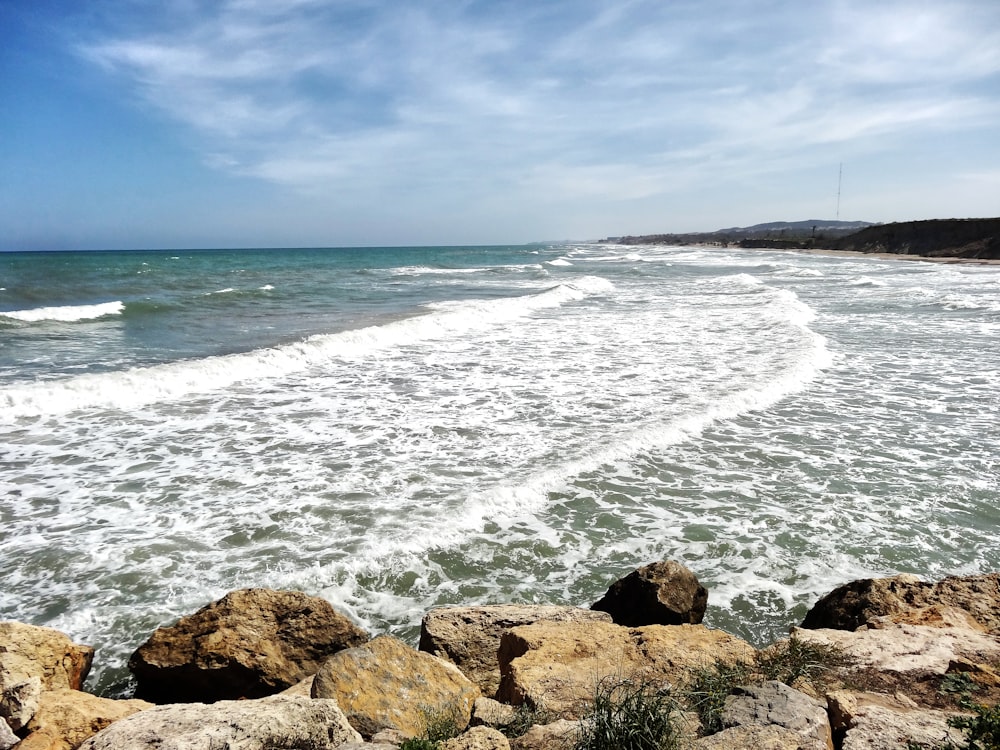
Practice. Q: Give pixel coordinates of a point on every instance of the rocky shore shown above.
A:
(877, 663)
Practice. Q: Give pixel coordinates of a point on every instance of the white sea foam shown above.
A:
(134, 387)
(559, 262)
(67, 313)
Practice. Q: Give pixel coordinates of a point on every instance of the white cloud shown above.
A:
(573, 99)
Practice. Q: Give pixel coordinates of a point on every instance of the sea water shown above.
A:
(400, 428)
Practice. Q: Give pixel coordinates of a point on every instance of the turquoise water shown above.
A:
(399, 428)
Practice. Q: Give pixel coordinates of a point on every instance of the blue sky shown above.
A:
(185, 123)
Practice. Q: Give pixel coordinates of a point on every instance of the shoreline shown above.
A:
(892, 256)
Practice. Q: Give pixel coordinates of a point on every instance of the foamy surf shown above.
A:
(66, 313)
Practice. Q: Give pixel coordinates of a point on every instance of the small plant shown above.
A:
(525, 717)
(439, 725)
(418, 743)
(983, 727)
(787, 662)
(628, 715)
(709, 688)
(797, 659)
(959, 684)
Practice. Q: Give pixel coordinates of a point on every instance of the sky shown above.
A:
(292, 123)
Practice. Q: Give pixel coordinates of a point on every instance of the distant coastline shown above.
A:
(943, 240)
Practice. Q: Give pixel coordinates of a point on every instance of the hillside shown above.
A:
(934, 238)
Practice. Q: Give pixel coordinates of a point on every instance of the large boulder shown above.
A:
(386, 684)
(875, 721)
(770, 737)
(905, 598)
(249, 644)
(662, 593)
(275, 722)
(906, 649)
(71, 716)
(776, 704)
(477, 738)
(28, 651)
(469, 637)
(558, 735)
(557, 667)
(18, 702)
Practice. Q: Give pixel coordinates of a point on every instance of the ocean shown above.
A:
(395, 429)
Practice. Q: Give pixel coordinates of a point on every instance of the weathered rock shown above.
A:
(663, 593)
(469, 637)
(478, 738)
(491, 713)
(18, 702)
(872, 721)
(385, 684)
(30, 651)
(771, 737)
(776, 703)
(907, 648)
(275, 722)
(71, 716)
(557, 667)
(900, 598)
(559, 735)
(7, 737)
(41, 741)
(389, 737)
(250, 643)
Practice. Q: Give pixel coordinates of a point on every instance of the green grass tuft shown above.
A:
(628, 715)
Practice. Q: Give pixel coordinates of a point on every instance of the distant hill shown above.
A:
(777, 231)
(936, 238)
(933, 238)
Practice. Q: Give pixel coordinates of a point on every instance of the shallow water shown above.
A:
(401, 428)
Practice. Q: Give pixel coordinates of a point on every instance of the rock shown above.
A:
(903, 648)
(478, 738)
(18, 702)
(275, 722)
(774, 703)
(559, 735)
(302, 687)
(491, 713)
(901, 599)
(771, 737)
(41, 741)
(28, 651)
(385, 684)
(7, 737)
(249, 644)
(663, 593)
(557, 667)
(873, 721)
(469, 637)
(71, 716)
(389, 737)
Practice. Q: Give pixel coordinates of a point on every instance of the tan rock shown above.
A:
(40, 741)
(491, 713)
(469, 637)
(663, 593)
(385, 684)
(771, 737)
(901, 598)
(275, 722)
(873, 721)
(559, 735)
(249, 644)
(71, 716)
(30, 651)
(907, 648)
(558, 667)
(478, 738)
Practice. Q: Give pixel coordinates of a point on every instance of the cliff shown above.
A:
(936, 238)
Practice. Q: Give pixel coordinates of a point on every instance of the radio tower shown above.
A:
(840, 176)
